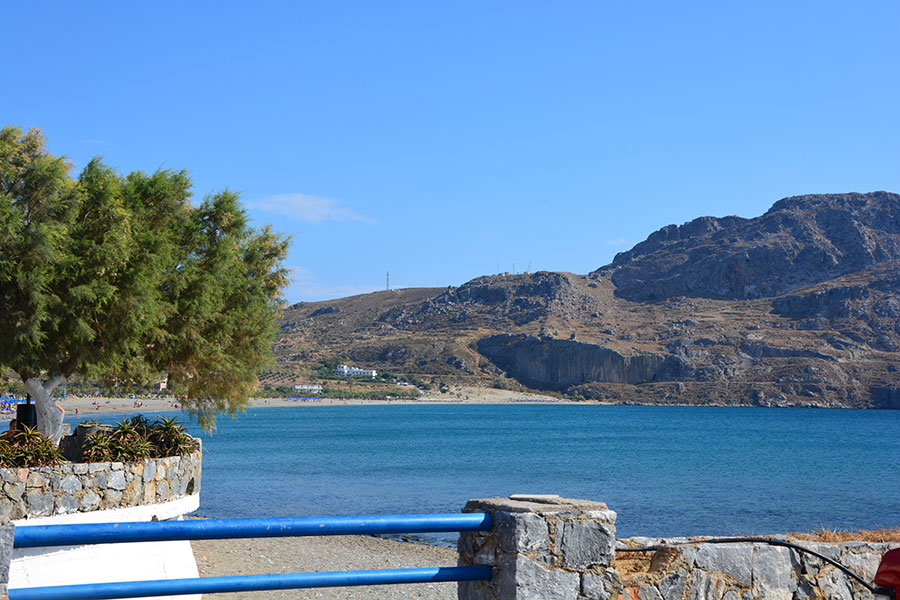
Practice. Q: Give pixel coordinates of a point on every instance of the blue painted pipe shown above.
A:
(32, 536)
(248, 583)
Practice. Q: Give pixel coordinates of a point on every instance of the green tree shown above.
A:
(122, 279)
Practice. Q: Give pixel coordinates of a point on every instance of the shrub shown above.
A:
(138, 439)
(28, 447)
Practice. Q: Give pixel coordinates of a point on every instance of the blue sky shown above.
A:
(436, 140)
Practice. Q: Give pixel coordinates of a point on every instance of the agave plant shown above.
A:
(99, 447)
(167, 434)
(126, 431)
(142, 425)
(137, 439)
(27, 447)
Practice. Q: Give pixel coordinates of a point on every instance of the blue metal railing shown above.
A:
(248, 583)
(31, 536)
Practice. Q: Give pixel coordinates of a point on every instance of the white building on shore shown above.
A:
(308, 387)
(345, 371)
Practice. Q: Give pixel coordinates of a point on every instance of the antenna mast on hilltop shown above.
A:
(387, 284)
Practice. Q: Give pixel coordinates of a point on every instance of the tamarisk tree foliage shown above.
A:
(122, 279)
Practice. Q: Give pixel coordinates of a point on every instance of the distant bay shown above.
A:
(665, 470)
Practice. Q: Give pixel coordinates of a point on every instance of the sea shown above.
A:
(666, 470)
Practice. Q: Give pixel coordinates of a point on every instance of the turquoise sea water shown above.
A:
(665, 470)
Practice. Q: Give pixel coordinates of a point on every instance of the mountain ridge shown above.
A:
(799, 306)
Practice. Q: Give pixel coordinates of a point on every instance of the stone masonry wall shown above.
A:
(541, 548)
(547, 548)
(742, 571)
(84, 487)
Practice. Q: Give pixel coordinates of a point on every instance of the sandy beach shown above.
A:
(331, 553)
(84, 407)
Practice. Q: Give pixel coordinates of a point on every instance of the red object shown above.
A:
(888, 574)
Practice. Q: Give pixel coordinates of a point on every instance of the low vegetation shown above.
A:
(137, 439)
(836, 536)
(27, 447)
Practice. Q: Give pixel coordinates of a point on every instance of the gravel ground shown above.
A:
(330, 553)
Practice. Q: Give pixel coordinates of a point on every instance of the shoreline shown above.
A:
(80, 407)
(93, 405)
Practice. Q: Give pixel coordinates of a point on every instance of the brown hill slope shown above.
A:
(817, 322)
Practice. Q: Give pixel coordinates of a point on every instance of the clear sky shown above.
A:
(442, 140)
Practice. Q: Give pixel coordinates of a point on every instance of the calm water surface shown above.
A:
(665, 470)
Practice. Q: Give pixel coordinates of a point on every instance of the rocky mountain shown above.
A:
(800, 241)
(799, 306)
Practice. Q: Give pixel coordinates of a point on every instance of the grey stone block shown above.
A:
(706, 587)
(811, 564)
(607, 516)
(864, 564)
(519, 578)
(67, 503)
(583, 544)
(116, 480)
(474, 590)
(39, 503)
(548, 505)
(70, 483)
(648, 592)
(775, 572)
(486, 555)
(672, 586)
(90, 501)
(14, 489)
(593, 587)
(36, 480)
(735, 560)
(805, 591)
(162, 490)
(834, 584)
(465, 545)
(149, 471)
(522, 532)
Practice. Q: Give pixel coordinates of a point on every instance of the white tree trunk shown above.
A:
(49, 414)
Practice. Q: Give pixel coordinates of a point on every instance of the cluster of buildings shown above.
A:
(308, 387)
(340, 371)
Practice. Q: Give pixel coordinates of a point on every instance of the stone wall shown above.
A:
(547, 547)
(746, 570)
(85, 487)
(541, 547)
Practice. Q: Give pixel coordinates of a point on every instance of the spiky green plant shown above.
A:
(99, 447)
(137, 439)
(27, 447)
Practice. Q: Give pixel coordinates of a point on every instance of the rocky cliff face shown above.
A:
(800, 306)
(495, 301)
(560, 364)
(799, 242)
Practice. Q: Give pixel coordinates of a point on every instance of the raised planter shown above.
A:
(151, 489)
